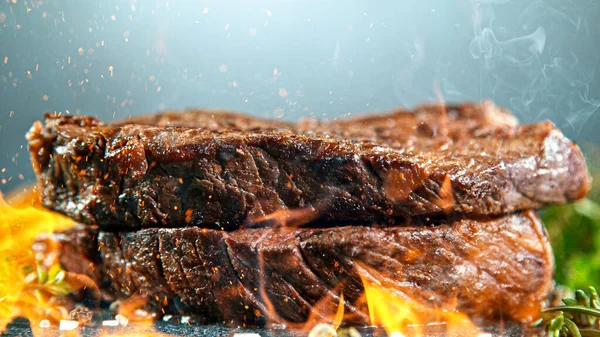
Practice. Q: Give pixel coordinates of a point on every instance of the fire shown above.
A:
(324, 313)
(28, 286)
(286, 218)
(401, 315)
(32, 285)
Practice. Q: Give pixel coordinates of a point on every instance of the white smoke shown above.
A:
(534, 71)
(518, 50)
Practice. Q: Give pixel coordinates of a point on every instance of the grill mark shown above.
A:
(159, 263)
(240, 285)
(110, 255)
(204, 290)
(248, 159)
(263, 176)
(313, 280)
(344, 274)
(132, 286)
(188, 292)
(282, 165)
(270, 285)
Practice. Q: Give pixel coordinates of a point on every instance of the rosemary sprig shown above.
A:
(579, 317)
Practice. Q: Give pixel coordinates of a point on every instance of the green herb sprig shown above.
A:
(52, 281)
(574, 231)
(578, 317)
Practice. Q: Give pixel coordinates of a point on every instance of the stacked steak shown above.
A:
(246, 221)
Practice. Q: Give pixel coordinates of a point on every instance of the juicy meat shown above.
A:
(491, 268)
(223, 170)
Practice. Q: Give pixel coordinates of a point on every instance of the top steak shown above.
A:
(223, 170)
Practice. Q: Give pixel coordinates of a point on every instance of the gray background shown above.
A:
(287, 59)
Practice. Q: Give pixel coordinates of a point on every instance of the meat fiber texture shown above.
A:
(228, 171)
(498, 268)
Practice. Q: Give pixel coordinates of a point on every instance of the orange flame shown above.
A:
(319, 314)
(401, 315)
(32, 282)
(27, 284)
(286, 218)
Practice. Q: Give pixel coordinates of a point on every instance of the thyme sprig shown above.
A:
(578, 317)
(53, 280)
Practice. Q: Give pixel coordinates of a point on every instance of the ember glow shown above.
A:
(29, 283)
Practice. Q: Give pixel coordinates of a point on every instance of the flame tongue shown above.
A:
(27, 286)
(401, 315)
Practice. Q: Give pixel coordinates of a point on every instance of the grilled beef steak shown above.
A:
(225, 170)
(492, 268)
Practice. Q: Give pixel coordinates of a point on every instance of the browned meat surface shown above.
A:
(202, 168)
(492, 268)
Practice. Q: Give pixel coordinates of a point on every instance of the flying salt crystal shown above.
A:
(322, 330)
(205, 10)
(336, 55)
(67, 324)
(122, 320)
(269, 13)
(110, 323)
(278, 112)
(44, 323)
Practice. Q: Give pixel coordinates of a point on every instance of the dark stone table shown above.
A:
(21, 327)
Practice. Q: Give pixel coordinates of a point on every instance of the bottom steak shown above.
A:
(499, 268)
